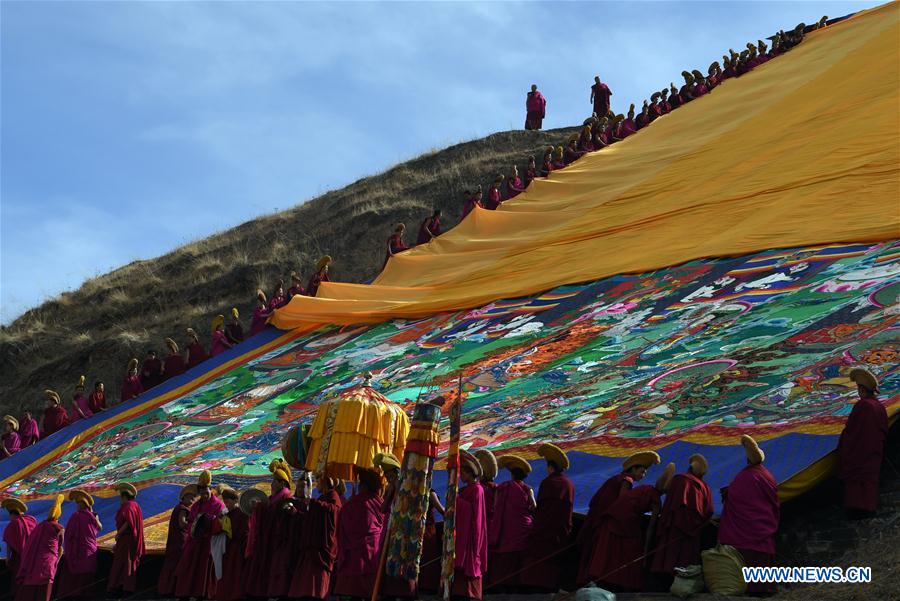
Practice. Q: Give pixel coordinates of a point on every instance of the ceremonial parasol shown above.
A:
(350, 430)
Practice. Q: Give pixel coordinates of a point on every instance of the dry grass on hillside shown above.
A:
(96, 329)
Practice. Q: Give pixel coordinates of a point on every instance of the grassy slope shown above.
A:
(96, 329)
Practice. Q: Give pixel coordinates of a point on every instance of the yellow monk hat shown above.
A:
(234, 313)
(755, 455)
(80, 495)
(698, 464)
(173, 346)
(217, 322)
(323, 262)
(80, 385)
(511, 462)
(662, 483)
(644, 458)
(190, 489)
(133, 364)
(52, 396)
(488, 463)
(864, 378)
(56, 509)
(204, 479)
(573, 138)
(295, 277)
(281, 471)
(553, 453)
(261, 296)
(468, 460)
(193, 335)
(386, 461)
(11, 421)
(13, 504)
(126, 487)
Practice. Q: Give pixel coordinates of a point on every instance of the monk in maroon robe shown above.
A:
(621, 539)
(37, 571)
(514, 184)
(627, 126)
(552, 526)
(430, 228)
(29, 433)
(571, 153)
(10, 443)
(559, 158)
(151, 370)
(219, 341)
(585, 140)
(395, 243)
(77, 576)
(173, 365)
(600, 97)
(494, 198)
(489, 469)
(285, 523)
(261, 312)
(97, 400)
(196, 354)
(599, 138)
(530, 171)
(688, 508)
(234, 332)
(535, 109)
(473, 200)
(15, 536)
(131, 384)
(861, 446)
(751, 513)
(129, 547)
(643, 120)
(231, 586)
(80, 405)
(55, 416)
(178, 535)
(320, 275)
(510, 528)
(318, 544)
(700, 88)
(359, 537)
(194, 576)
(471, 532)
(278, 299)
(296, 286)
(634, 468)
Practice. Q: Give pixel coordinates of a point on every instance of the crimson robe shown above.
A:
(261, 314)
(493, 199)
(218, 344)
(620, 539)
(150, 373)
(642, 121)
(312, 288)
(128, 549)
(750, 519)
(430, 227)
(514, 186)
(359, 534)
(235, 333)
(78, 573)
(688, 507)
(627, 128)
(572, 154)
(530, 174)
(318, 548)
(550, 532)
(11, 442)
(546, 168)
(605, 496)
(39, 561)
(194, 576)
(173, 366)
(15, 535)
(175, 541)
(471, 203)
(55, 418)
(131, 387)
(196, 355)
(536, 110)
(29, 433)
(471, 542)
(97, 401)
(508, 532)
(79, 401)
(699, 90)
(295, 290)
(860, 451)
(285, 527)
(395, 245)
(601, 93)
(231, 586)
(277, 302)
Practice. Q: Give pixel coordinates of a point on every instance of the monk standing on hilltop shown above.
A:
(535, 109)
(80, 406)
(861, 447)
(234, 331)
(220, 341)
(600, 97)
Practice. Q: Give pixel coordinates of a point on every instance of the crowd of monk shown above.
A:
(222, 545)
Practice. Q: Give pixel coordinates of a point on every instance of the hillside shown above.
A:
(97, 328)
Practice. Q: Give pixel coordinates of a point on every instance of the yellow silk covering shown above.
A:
(349, 431)
(800, 151)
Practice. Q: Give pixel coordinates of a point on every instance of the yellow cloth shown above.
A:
(800, 151)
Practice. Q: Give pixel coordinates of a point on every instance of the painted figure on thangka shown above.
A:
(755, 341)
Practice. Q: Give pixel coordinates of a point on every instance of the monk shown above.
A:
(494, 198)
(296, 286)
(684, 94)
(530, 171)
(627, 126)
(674, 96)
(261, 313)
(220, 342)
(600, 97)
(129, 547)
(55, 416)
(552, 523)
(643, 120)
(489, 469)
(471, 532)
(174, 363)
(621, 540)
(81, 407)
(15, 535)
(318, 543)
(178, 535)
(634, 468)
(430, 228)
(700, 88)
(572, 153)
(321, 275)
(664, 104)
(390, 468)
(687, 510)
(78, 574)
(266, 519)
(234, 332)
(751, 513)
(509, 530)
(585, 141)
(97, 400)
(196, 354)
(278, 298)
(236, 525)
(151, 370)
(194, 576)
(359, 536)
(29, 433)
(514, 185)
(559, 158)
(861, 446)
(599, 134)
(473, 199)
(131, 384)
(395, 243)
(536, 109)
(11, 443)
(40, 557)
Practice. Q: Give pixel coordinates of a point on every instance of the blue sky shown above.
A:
(131, 128)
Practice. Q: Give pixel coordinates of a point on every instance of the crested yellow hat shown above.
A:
(323, 262)
(12, 421)
(133, 364)
(468, 460)
(13, 504)
(698, 464)
(512, 462)
(204, 479)
(192, 334)
(80, 385)
(217, 322)
(553, 453)
(488, 463)
(80, 495)
(173, 346)
(56, 509)
(52, 395)
(644, 458)
(234, 312)
(755, 455)
(662, 483)
(190, 489)
(864, 378)
(126, 487)
(386, 461)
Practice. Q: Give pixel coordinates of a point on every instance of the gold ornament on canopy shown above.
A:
(350, 430)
